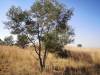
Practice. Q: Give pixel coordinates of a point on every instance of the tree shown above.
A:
(1, 42)
(45, 25)
(22, 41)
(79, 45)
(8, 40)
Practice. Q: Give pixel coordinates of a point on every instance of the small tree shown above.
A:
(45, 25)
(8, 40)
(1, 42)
(22, 41)
(79, 45)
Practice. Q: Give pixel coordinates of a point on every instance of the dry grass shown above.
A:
(93, 52)
(62, 63)
(81, 49)
(16, 61)
(96, 57)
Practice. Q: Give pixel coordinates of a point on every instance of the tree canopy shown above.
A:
(22, 41)
(8, 40)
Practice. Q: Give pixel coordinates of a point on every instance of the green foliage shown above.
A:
(51, 41)
(79, 45)
(8, 40)
(22, 41)
(50, 18)
(15, 16)
(1, 42)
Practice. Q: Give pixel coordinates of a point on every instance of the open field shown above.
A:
(81, 49)
(17, 61)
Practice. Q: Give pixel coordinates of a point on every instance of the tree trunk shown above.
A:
(43, 61)
(42, 64)
(44, 58)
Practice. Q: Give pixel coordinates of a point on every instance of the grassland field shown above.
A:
(17, 61)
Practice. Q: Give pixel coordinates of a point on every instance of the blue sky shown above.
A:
(86, 19)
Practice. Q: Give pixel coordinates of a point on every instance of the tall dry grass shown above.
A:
(17, 61)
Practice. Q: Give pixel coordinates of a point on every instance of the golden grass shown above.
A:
(17, 61)
(93, 52)
(81, 49)
(96, 57)
(62, 63)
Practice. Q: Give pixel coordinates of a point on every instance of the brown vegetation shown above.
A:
(16, 61)
(79, 56)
